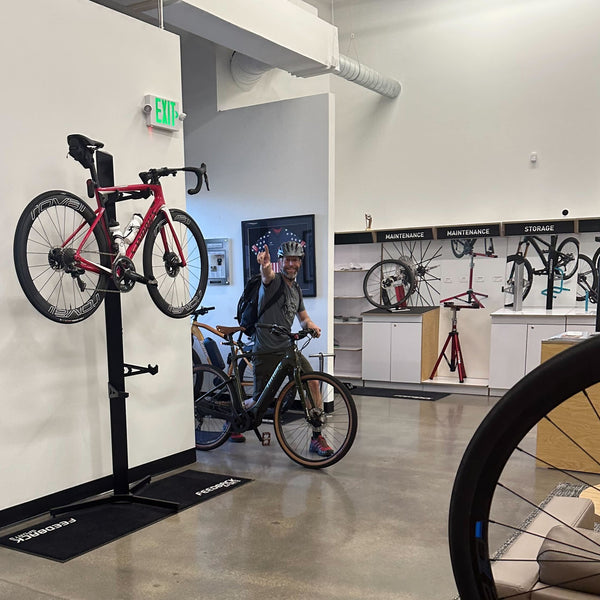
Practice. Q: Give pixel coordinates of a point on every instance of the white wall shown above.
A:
(74, 66)
(484, 85)
(270, 160)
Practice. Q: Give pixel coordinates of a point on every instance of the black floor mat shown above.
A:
(391, 393)
(73, 533)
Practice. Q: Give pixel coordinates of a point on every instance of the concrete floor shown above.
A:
(371, 527)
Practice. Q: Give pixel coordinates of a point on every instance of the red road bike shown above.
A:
(68, 256)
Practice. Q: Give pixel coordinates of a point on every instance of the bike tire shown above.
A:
(510, 281)
(294, 422)
(212, 407)
(484, 507)
(178, 290)
(389, 283)
(49, 277)
(568, 257)
(595, 258)
(587, 279)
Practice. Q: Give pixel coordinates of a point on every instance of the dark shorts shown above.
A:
(264, 366)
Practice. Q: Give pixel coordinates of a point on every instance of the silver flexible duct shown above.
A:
(356, 72)
(246, 71)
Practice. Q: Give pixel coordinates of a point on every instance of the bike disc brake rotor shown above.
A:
(172, 264)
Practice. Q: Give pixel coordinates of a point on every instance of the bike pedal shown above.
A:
(266, 438)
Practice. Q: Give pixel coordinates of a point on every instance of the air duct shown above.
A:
(360, 74)
(246, 71)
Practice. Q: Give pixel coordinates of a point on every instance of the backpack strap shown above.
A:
(272, 299)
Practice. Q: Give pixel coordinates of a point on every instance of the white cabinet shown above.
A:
(516, 339)
(535, 335)
(507, 354)
(400, 347)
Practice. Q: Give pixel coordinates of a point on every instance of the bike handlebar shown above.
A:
(280, 330)
(202, 311)
(153, 175)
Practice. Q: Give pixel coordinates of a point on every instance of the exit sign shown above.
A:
(162, 113)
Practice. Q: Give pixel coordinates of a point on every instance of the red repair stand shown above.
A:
(456, 361)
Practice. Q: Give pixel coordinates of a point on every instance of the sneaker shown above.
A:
(320, 446)
(237, 438)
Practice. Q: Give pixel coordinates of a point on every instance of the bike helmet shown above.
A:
(290, 249)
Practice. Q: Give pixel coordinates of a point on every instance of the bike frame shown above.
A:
(288, 365)
(532, 240)
(141, 190)
(197, 333)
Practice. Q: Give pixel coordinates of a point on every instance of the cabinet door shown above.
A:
(535, 335)
(376, 351)
(507, 354)
(406, 352)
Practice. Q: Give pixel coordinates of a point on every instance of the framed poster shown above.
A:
(274, 232)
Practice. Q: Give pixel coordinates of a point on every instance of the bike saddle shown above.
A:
(228, 330)
(84, 140)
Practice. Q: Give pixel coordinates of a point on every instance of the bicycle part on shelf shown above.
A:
(212, 406)
(509, 286)
(389, 283)
(180, 287)
(567, 255)
(121, 273)
(330, 410)
(49, 231)
(522, 453)
(587, 280)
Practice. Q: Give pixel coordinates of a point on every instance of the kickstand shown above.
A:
(263, 438)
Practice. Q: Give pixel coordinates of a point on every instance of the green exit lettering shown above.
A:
(165, 112)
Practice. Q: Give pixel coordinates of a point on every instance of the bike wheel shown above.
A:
(502, 479)
(509, 286)
(48, 233)
(212, 407)
(587, 279)
(568, 255)
(334, 415)
(389, 283)
(179, 289)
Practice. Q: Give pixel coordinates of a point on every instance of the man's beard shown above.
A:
(287, 275)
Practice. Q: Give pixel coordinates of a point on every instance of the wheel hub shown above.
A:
(316, 417)
(172, 264)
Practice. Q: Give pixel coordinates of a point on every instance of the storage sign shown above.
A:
(162, 113)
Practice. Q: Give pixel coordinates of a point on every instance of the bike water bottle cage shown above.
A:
(82, 149)
(153, 175)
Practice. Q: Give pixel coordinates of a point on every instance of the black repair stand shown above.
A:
(117, 371)
(456, 362)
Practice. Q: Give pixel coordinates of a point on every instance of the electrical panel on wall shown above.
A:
(218, 261)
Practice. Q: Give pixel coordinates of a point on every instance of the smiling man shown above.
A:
(269, 348)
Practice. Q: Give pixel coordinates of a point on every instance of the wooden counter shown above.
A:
(576, 418)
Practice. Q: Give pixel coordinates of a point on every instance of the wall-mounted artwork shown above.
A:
(274, 232)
